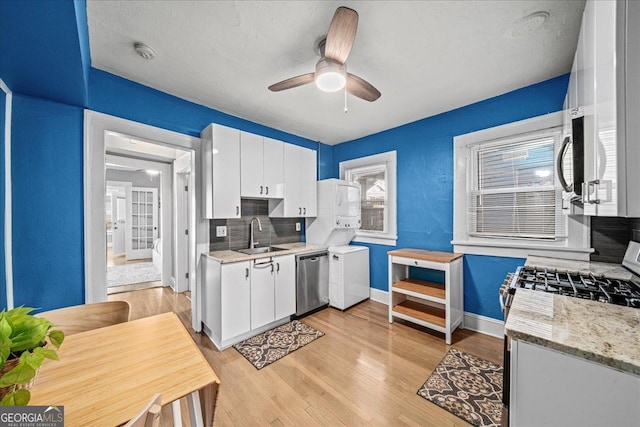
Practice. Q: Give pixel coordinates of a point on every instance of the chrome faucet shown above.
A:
(252, 242)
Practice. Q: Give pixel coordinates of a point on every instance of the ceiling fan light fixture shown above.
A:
(330, 76)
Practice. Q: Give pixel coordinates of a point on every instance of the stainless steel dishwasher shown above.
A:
(312, 282)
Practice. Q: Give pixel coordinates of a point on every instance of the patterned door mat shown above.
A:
(276, 343)
(468, 387)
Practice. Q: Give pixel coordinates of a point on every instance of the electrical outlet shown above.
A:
(297, 226)
(221, 231)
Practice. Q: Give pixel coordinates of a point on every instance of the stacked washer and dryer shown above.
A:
(335, 226)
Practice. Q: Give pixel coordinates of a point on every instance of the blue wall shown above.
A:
(425, 182)
(3, 281)
(45, 49)
(120, 97)
(46, 175)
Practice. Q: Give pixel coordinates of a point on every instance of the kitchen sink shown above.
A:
(263, 250)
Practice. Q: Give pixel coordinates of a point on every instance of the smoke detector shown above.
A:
(144, 51)
(527, 25)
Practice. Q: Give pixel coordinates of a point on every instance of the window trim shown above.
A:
(576, 246)
(389, 159)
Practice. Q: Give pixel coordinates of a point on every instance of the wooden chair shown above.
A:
(80, 318)
(149, 416)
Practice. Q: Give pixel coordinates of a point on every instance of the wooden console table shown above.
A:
(436, 306)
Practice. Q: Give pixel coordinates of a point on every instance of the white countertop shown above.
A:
(604, 333)
(228, 256)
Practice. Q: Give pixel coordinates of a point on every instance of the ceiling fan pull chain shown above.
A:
(345, 99)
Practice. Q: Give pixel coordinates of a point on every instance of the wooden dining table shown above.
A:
(105, 376)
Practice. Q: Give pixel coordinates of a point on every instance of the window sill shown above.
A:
(376, 240)
(520, 250)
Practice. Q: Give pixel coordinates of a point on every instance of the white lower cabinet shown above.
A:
(285, 286)
(262, 292)
(242, 299)
(549, 388)
(234, 299)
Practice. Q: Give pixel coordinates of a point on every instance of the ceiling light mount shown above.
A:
(331, 76)
(527, 25)
(144, 51)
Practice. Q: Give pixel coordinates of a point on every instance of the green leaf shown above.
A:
(46, 353)
(56, 338)
(21, 374)
(34, 360)
(19, 397)
(5, 328)
(5, 349)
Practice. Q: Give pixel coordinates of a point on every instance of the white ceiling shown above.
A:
(426, 57)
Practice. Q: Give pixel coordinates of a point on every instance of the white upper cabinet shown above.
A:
(261, 166)
(604, 83)
(221, 172)
(300, 193)
(273, 174)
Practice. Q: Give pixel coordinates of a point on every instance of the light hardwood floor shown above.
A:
(364, 371)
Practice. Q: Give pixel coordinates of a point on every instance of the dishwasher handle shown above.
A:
(312, 257)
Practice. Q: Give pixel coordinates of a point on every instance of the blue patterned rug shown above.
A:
(468, 387)
(276, 343)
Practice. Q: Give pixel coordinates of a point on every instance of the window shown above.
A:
(507, 197)
(377, 178)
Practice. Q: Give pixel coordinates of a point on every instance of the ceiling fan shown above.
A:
(331, 74)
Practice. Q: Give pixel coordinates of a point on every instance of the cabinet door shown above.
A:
(285, 286)
(605, 132)
(235, 301)
(292, 184)
(226, 172)
(273, 168)
(251, 161)
(262, 294)
(308, 174)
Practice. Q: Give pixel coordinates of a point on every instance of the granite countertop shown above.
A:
(290, 248)
(603, 333)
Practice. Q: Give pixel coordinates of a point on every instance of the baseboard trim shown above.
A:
(379, 296)
(484, 325)
(473, 322)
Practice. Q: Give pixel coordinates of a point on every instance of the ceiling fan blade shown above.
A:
(342, 32)
(361, 88)
(292, 82)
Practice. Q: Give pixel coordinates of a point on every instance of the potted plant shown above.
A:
(23, 349)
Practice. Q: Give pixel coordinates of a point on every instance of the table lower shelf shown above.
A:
(423, 314)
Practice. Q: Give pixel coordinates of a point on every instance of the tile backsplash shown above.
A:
(610, 237)
(274, 230)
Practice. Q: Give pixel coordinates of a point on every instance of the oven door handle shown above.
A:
(501, 298)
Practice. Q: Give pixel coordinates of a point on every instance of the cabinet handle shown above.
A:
(305, 211)
(271, 268)
(299, 211)
(415, 262)
(246, 273)
(277, 267)
(237, 210)
(261, 189)
(559, 165)
(267, 190)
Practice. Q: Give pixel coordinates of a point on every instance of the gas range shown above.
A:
(578, 284)
(574, 284)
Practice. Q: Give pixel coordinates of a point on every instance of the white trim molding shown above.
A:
(96, 125)
(389, 159)
(8, 219)
(379, 296)
(474, 322)
(575, 246)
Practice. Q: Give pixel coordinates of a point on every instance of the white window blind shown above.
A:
(512, 190)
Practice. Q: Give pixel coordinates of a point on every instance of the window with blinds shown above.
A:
(373, 196)
(512, 189)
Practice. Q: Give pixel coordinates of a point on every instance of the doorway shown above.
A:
(98, 129)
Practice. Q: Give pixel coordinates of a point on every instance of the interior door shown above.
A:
(119, 225)
(142, 222)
